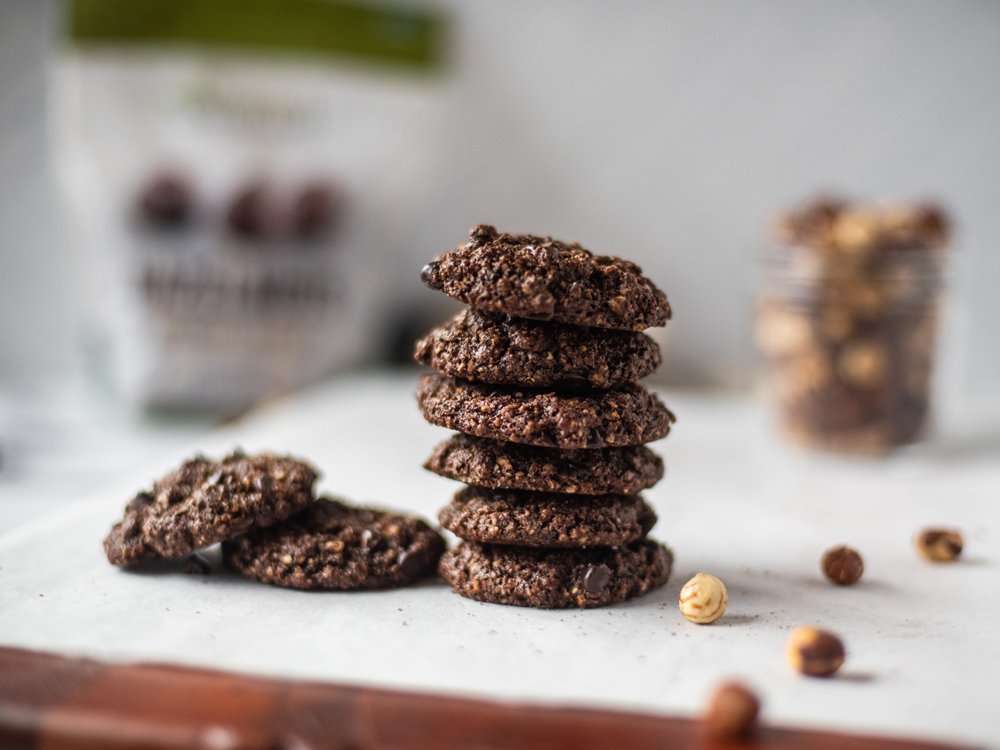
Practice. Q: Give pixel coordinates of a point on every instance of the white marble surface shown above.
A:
(922, 640)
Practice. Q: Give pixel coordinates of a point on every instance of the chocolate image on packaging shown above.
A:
(166, 201)
(250, 215)
(315, 210)
(847, 323)
(540, 379)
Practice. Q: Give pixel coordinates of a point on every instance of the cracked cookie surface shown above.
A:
(554, 418)
(489, 348)
(542, 519)
(503, 465)
(332, 545)
(204, 502)
(555, 578)
(527, 276)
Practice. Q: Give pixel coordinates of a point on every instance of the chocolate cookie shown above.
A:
(331, 545)
(545, 279)
(542, 519)
(204, 502)
(552, 578)
(488, 348)
(554, 418)
(489, 463)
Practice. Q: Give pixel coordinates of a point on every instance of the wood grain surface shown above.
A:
(51, 701)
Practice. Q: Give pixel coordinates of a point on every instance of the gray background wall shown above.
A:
(668, 132)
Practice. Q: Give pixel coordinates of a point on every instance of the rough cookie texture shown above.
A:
(541, 278)
(488, 348)
(331, 545)
(561, 418)
(553, 578)
(204, 502)
(540, 519)
(499, 465)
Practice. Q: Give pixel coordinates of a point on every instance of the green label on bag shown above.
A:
(369, 32)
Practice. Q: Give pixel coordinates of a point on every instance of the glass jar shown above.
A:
(847, 321)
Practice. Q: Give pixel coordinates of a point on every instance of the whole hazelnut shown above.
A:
(843, 565)
(939, 545)
(932, 225)
(855, 231)
(862, 364)
(703, 599)
(814, 652)
(731, 711)
(781, 332)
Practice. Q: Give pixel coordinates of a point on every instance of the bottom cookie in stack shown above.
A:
(554, 578)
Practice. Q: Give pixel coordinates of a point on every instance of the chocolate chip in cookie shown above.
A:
(556, 578)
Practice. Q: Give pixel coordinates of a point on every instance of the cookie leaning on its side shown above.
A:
(204, 502)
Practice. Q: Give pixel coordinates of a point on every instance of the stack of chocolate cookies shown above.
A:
(540, 378)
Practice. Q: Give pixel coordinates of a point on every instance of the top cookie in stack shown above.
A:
(540, 377)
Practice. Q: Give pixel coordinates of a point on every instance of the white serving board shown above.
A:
(923, 640)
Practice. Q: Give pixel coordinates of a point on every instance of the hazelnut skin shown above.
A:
(815, 652)
(939, 545)
(732, 711)
(843, 565)
(703, 599)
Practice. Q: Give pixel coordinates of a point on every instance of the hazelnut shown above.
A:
(732, 711)
(939, 545)
(855, 231)
(837, 323)
(862, 364)
(843, 565)
(781, 332)
(703, 599)
(814, 652)
(931, 223)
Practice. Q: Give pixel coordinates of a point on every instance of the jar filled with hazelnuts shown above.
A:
(847, 321)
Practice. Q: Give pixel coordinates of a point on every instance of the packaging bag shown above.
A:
(240, 176)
